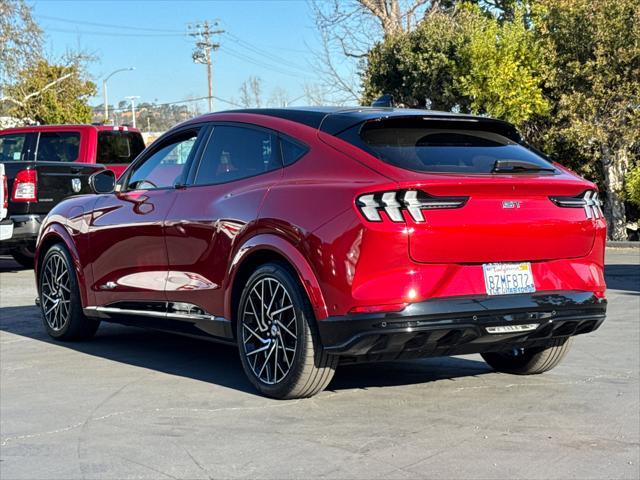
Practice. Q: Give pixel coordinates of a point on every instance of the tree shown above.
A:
(594, 84)
(633, 185)
(279, 97)
(51, 93)
(348, 28)
(20, 39)
(415, 75)
(315, 94)
(251, 92)
(32, 87)
(462, 59)
(503, 68)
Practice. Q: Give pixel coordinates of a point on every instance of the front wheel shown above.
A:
(279, 345)
(529, 361)
(60, 303)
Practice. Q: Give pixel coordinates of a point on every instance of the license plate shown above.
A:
(508, 278)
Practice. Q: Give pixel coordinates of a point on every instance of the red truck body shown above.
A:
(91, 139)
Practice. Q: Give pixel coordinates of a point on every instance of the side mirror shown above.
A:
(103, 181)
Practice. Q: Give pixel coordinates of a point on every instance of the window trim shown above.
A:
(248, 126)
(159, 144)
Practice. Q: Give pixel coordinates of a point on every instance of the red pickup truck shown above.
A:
(45, 164)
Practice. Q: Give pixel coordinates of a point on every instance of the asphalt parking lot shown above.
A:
(140, 404)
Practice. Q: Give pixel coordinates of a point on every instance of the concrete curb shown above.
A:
(618, 244)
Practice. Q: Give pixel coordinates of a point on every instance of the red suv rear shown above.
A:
(313, 237)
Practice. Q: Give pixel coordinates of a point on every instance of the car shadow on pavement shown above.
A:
(219, 364)
(625, 277)
(8, 265)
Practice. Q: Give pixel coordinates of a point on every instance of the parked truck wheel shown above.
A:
(24, 255)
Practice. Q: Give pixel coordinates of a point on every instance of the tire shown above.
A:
(530, 361)
(24, 256)
(280, 362)
(60, 303)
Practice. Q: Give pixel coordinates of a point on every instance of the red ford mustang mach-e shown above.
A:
(313, 237)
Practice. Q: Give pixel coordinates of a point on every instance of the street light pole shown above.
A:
(104, 90)
(133, 108)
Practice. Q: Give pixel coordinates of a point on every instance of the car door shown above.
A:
(129, 255)
(236, 169)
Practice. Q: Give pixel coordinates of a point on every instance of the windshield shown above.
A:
(450, 147)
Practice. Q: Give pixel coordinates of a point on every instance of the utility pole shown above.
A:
(203, 32)
(132, 99)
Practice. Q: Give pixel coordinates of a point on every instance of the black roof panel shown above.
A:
(334, 120)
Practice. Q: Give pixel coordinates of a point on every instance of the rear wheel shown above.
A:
(279, 345)
(24, 255)
(60, 303)
(529, 361)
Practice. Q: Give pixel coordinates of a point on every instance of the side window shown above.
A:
(118, 147)
(58, 147)
(11, 147)
(165, 167)
(291, 151)
(237, 152)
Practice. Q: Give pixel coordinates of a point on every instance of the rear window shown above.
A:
(11, 147)
(445, 146)
(118, 147)
(58, 147)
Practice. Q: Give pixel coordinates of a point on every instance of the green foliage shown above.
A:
(633, 185)
(466, 60)
(593, 50)
(420, 68)
(52, 93)
(504, 64)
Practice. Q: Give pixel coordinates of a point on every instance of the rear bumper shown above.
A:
(6, 229)
(458, 326)
(20, 229)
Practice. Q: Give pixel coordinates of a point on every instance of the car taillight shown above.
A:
(588, 200)
(25, 186)
(5, 193)
(394, 202)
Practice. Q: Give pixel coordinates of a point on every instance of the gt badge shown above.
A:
(76, 184)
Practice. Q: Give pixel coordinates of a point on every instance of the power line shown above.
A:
(109, 25)
(188, 100)
(260, 63)
(115, 34)
(255, 49)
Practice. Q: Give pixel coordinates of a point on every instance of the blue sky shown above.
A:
(153, 42)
